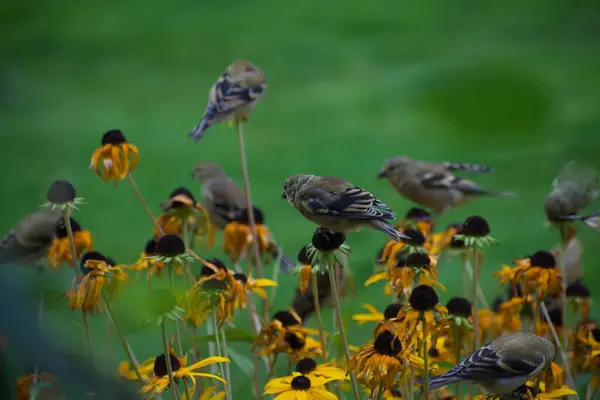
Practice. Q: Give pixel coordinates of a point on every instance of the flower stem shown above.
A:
(457, 346)
(144, 203)
(465, 279)
(556, 339)
(134, 362)
(163, 328)
(216, 328)
(315, 293)
(536, 313)
(380, 391)
(40, 319)
(75, 257)
(342, 330)
(425, 357)
(563, 295)
(226, 355)
(475, 282)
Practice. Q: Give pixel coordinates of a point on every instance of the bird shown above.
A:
(225, 201)
(337, 205)
(432, 184)
(232, 96)
(573, 189)
(502, 365)
(31, 237)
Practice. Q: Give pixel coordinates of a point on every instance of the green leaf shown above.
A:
(160, 302)
(232, 335)
(241, 361)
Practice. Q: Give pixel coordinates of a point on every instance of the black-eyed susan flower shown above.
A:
(145, 369)
(210, 294)
(578, 295)
(325, 249)
(422, 304)
(97, 273)
(541, 276)
(476, 233)
(116, 158)
(309, 367)
(60, 250)
(144, 262)
(458, 325)
(419, 268)
(215, 269)
(588, 349)
(46, 388)
(373, 315)
(237, 235)
(281, 323)
(159, 380)
(413, 241)
(299, 387)
(297, 345)
(304, 270)
(242, 284)
(420, 220)
(439, 241)
(182, 204)
(379, 363)
(169, 224)
(61, 195)
(170, 249)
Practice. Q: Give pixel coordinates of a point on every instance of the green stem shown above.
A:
(227, 365)
(380, 391)
(475, 300)
(226, 386)
(342, 330)
(163, 328)
(315, 293)
(425, 358)
(563, 295)
(536, 312)
(144, 203)
(126, 346)
(272, 368)
(457, 346)
(465, 279)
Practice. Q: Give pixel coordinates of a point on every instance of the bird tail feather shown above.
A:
(389, 230)
(437, 382)
(198, 132)
(476, 168)
(501, 194)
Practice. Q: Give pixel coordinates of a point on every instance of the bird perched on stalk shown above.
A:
(432, 184)
(573, 189)
(337, 205)
(232, 97)
(501, 366)
(30, 238)
(225, 201)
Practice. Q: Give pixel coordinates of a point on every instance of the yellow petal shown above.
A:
(370, 308)
(208, 361)
(264, 282)
(208, 376)
(376, 278)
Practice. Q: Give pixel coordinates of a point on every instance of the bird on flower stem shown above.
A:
(338, 205)
(501, 366)
(232, 96)
(30, 239)
(432, 184)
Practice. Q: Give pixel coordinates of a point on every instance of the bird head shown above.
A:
(292, 185)
(394, 165)
(246, 74)
(205, 171)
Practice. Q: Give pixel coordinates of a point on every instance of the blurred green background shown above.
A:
(509, 84)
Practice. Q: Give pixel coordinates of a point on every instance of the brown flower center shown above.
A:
(170, 245)
(114, 137)
(306, 366)
(387, 343)
(301, 382)
(160, 365)
(423, 298)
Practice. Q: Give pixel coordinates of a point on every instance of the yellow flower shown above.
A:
(97, 274)
(588, 339)
(116, 158)
(423, 304)
(296, 344)
(283, 322)
(439, 241)
(241, 284)
(60, 250)
(540, 275)
(200, 300)
(51, 392)
(380, 362)
(305, 277)
(373, 316)
(418, 268)
(182, 206)
(299, 387)
(160, 379)
(154, 267)
(208, 394)
(307, 366)
(145, 368)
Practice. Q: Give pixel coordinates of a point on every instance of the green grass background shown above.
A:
(509, 84)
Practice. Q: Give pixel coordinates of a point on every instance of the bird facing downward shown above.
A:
(232, 96)
(501, 366)
(432, 184)
(337, 205)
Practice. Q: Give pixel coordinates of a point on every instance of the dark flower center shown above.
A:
(243, 218)
(170, 245)
(301, 382)
(578, 289)
(241, 277)
(543, 259)
(181, 191)
(379, 256)
(514, 291)
(400, 260)
(294, 341)
(475, 226)
(303, 256)
(286, 318)
(392, 311)
(207, 271)
(61, 229)
(61, 192)
(433, 352)
(423, 298)
(160, 365)
(214, 284)
(556, 317)
(111, 262)
(396, 392)
(324, 240)
(150, 248)
(114, 137)
(418, 260)
(417, 214)
(596, 334)
(387, 343)
(416, 237)
(497, 303)
(90, 255)
(459, 306)
(306, 366)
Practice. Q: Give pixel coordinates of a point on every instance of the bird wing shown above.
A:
(37, 228)
(458, 166)
(446, 180)
(226, 95)
(226, 199)
(581, 177)
(337, 198)
(486, 363)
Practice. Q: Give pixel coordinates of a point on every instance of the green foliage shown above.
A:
(232, 335)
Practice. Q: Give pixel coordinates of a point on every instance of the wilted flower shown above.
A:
(116, 158)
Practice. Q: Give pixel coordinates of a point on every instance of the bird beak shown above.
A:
(382, 174)
(283, 196)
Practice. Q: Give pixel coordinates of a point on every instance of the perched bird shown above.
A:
(432, 184)
(573, 189)
(225, 201)
(501, 366)
(337, 205)
(232, 97)
(30, 238)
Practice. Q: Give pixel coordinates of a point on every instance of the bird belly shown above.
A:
(503, 386)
